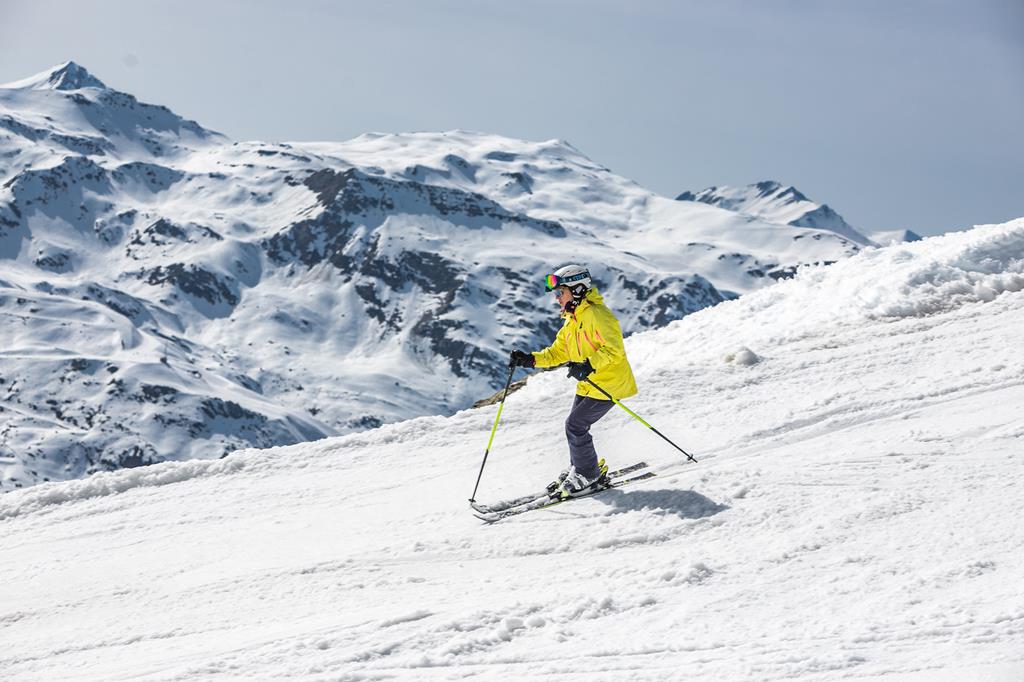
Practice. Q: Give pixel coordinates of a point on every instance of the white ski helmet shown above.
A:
(576, 277)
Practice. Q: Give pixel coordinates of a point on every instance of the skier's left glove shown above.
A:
(580, 370)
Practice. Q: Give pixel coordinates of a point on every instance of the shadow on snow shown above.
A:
(686, 504)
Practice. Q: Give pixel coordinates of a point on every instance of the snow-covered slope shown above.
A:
(854, 515)
(175, 294)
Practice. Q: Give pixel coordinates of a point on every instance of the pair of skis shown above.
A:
(545, 499)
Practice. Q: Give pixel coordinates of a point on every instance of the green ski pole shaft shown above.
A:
(501, 406)
(640, 419)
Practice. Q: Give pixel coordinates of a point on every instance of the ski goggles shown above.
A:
(552, 282)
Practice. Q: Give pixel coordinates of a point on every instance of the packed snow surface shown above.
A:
(854, 514)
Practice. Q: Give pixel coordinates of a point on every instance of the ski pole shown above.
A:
(501, 405)
(637, 417)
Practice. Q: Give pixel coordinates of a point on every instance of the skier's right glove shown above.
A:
(520, 359)
(580, 370)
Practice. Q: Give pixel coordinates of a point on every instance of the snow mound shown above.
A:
(111, 483)
(929, 276)
(744, 356)
(903, 281)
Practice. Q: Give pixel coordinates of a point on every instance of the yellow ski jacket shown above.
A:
(592, 332)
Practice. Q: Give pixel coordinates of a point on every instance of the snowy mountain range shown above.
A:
(170, 293)
(771, 201)
(854, 514)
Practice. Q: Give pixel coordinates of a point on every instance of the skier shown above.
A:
(590, 340)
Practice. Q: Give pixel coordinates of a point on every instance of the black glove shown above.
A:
(520, 359)
(580, 370)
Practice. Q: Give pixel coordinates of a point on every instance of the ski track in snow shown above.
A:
(854, 515)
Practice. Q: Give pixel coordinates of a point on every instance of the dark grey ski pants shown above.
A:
(584, 413)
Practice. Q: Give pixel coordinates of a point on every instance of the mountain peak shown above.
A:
(777, 203)
(66, 76)
(768, 186)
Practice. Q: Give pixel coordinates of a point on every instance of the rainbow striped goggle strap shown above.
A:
(551, 282)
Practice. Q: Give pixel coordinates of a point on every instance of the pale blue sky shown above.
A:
(898, 113)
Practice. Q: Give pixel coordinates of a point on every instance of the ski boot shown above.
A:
(555, 484)
(575, 483)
